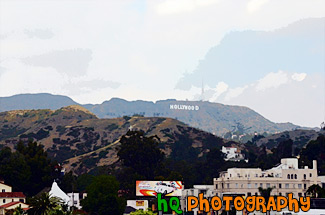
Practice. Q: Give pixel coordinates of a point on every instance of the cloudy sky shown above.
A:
(265, 54)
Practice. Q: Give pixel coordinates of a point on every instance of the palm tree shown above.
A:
(44, 204)
(266, 193)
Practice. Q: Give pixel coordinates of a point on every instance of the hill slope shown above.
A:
(75, 136)
(211, 117)
(34, 101)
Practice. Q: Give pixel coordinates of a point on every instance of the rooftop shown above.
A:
(12, 195)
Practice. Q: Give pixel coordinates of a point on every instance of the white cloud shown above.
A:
(299, 76)
(115, 32)
(289, 103)
(234, 93)
(255, 5)
(272, 80)
(220, 89)
(180, 6)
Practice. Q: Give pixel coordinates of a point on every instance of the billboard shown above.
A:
(151, 188)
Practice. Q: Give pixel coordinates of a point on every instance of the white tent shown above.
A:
(57, 192)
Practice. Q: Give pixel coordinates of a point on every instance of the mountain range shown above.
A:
(75, 137)
(211, 117)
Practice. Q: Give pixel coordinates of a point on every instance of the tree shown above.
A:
(102, 197)
(266, 193)
(14, 169)
(44, 204)
(315, 150)
(17, 211)
(41, 167)
(141, 153)
(142, 212)
(316, 191)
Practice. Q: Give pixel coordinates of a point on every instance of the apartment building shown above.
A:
(284, 178)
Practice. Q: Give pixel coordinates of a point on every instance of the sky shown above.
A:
(267, 55)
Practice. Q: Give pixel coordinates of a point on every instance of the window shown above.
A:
(4, 200)
(21, 200)
(310, 175)
(12, 200)
(216, 186)
(261, 185)
(299, 186)
(236, 185)
(287, 186)
(227, 185)
(3, 190)
(291, 176)
(295, 176)
(305, 186)
(305, 176)
(288, 177)
(280, 186)
(249, 185)
(230, 175)
(267, 185)
(255, 185)
(293, 186)
(222, 185)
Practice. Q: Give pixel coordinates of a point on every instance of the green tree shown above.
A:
(44, 204)
(141, 154)
(142, 212)
(14, 169)
(69, 183)
(83, 181)
(41, 167)
(102, 197)
(266, 193)
(315, 150)
(316, 191)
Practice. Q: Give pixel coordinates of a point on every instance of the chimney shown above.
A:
(314, 164)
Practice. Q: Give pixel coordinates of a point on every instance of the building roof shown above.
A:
(12, 195)
(10, 204)
(56, 191)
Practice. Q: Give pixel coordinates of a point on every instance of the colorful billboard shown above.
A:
(151, 188)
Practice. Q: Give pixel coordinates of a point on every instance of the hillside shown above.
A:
(78, 138)
(34, 101)
(211, 117)
(299, 137)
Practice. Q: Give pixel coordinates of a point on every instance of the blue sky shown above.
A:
(151, 50)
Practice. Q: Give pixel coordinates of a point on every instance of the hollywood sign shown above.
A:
(184, 107)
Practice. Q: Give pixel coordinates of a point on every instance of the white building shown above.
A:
(207, 190)
(232, 154)
(10, 200)
(284, 178)
(75, 198)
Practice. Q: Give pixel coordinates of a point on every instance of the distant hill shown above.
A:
(80, 140)
(300, 138)
(34, 101)
(211, 117)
